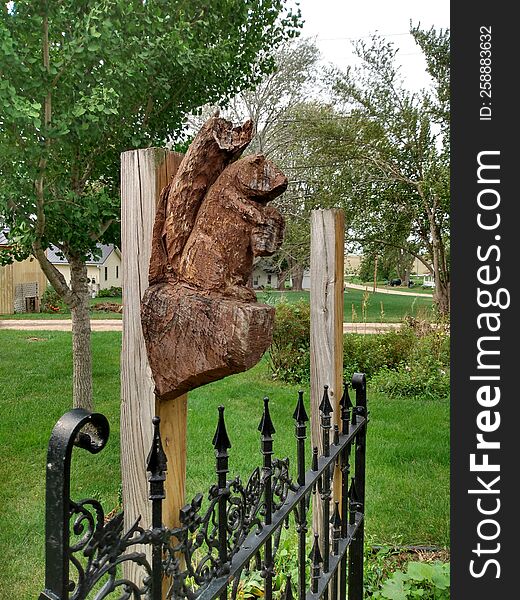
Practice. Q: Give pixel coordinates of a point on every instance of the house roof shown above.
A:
(106, 251)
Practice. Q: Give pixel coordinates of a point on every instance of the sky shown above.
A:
(335, 23)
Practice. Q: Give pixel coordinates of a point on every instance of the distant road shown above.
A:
(369, 327)
(59, 324)
(117, 325)
(370, 288)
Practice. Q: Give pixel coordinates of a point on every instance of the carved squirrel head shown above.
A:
(259, 174)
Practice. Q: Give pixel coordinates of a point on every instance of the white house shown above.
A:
(103, 272)
(263, 279)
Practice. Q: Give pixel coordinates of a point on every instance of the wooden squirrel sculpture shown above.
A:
(200, 320)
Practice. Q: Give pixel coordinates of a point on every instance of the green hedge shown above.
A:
(412, 361)
(289, 353)
(112, 292)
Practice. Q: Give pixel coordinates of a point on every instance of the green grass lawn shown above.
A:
(380, 308)
(407, 454)
(115, 299)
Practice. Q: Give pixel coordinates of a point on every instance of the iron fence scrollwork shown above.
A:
(220, 536)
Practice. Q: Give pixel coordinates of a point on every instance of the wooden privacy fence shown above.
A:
(224, 536)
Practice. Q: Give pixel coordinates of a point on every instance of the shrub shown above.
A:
(52, 303)
(428, 379)
(112, 292)
(428, 581)
(386, 577)
(289, 353)
(413, 361)
(370, 353)
(425, 371)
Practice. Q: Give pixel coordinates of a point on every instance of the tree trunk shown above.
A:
(81, 348)
(406, 276)
(282, 278)
(441, 296)
(297, 278)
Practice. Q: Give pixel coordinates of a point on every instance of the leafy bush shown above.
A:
(425, 371)
(426, 379)
(370, 353)
(112, 292)
(252, 585)
(385, 577)
(413, 361)
(428, 581)
(289, 352)
(52, 303)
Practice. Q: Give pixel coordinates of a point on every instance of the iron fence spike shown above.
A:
(336, 435)
(300, 414)
(325, 406)
(314, 465)
(352, 493)
(315, 554)
(156, 461)
(266, 427)
(288, 593)
(336, 517)
(345, 402)
(220, 440)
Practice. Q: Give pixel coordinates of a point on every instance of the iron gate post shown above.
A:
(156, 464)
(357, 501)
(68, 432)
(222, 444)
(266, 429)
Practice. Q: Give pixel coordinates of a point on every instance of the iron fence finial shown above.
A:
(266, 427)
(325, 406)
(220, 440)
(300, 414)
(156, 462)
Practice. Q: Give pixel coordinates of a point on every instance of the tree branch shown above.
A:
(392, 245)
(53, 275)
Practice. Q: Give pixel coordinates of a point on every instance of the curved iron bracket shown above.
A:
(86, 430)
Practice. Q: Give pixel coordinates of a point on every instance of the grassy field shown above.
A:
(364, 307)
(382, 283)
(359, 307)
(407, 454)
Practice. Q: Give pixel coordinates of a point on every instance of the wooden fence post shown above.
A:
(143, 175)
(326, 340)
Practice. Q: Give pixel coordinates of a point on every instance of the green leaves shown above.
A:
(81, 82)
(382, 155)
(429, 581)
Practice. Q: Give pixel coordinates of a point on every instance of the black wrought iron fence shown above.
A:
(219, 540)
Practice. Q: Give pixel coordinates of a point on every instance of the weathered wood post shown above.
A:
(326, 343)
(144, 173)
